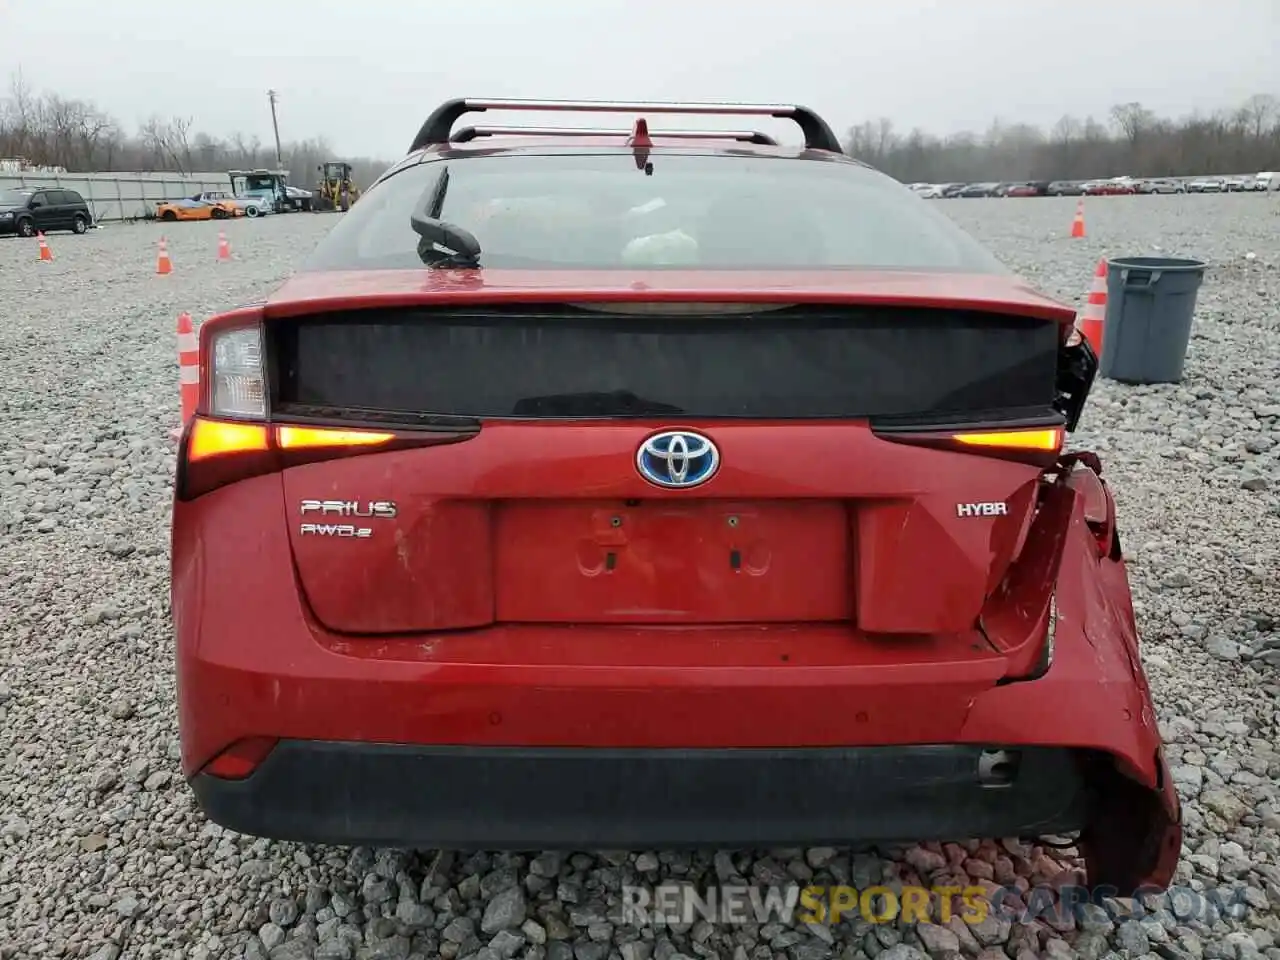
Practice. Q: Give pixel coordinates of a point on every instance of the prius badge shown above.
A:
(678, 459)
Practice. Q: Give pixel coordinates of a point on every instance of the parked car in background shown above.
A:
(249, 206)
(297, 199)
(1108, 188)
(1235, 184)
(27, 211)
(1205, 185)
(974, 190)
(1267, 180)
(952, 190)
(1036, 189)
(1065, 188)
(1161, 185)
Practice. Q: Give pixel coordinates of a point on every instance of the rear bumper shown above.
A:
(515, 798)
(543, 736)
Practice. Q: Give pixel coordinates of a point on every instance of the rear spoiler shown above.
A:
(437, 128)
(467, 134)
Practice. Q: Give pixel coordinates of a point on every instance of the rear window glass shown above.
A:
(717, 211)
(801, 362)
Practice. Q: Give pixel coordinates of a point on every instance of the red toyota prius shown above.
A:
(619, 488)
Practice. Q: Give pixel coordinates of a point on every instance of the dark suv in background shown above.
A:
(27, 211)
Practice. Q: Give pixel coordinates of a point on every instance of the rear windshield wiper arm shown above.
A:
(441, 244)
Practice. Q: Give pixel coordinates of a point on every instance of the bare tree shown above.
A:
(1067, 130)
(179, 142)
(1133, 119)
(1261, 112)
(155, 140)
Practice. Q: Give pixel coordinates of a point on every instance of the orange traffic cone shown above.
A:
(188, 371)
(1077, 225)
(45, 252)
(163, 263)
(1093, 317)
(224, 248)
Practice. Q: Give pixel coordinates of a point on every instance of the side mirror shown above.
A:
(35, 204)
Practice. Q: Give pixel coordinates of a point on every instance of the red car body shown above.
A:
(517, 632)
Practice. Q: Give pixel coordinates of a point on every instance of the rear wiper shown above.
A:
(441, 244)
(445, 245)
(618, 403)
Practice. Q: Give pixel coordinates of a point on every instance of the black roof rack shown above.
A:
(438, 127)
(741, 136)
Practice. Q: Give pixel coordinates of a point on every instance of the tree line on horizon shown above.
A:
(47, 129)
(1133, 142)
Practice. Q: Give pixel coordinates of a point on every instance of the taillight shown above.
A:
(215, 453)
(237, 375)
(218, 452)
(213, 438)
(1046, 440)
(233, 438)
(1037, 445)
(310, 438)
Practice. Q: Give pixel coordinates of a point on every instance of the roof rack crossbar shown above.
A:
(437, 128)
(742, 136)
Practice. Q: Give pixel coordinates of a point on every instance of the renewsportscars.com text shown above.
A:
(682, 903)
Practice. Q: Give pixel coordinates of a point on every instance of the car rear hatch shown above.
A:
(875, 465)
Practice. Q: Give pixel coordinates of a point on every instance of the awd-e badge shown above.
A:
(344, 509)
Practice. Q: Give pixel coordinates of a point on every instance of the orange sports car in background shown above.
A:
(197, 208)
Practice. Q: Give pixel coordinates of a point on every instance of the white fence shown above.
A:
(122, 196)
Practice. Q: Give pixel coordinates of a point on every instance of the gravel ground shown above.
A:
(102, 853)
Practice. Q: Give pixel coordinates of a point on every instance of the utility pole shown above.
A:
(275, 125)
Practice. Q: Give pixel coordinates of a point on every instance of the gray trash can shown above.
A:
(1150, 305)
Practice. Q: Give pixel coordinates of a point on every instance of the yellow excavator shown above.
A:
(336, 190)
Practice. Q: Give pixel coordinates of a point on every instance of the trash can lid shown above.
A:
(1166, 264)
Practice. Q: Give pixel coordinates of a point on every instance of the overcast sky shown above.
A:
(364, 73)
